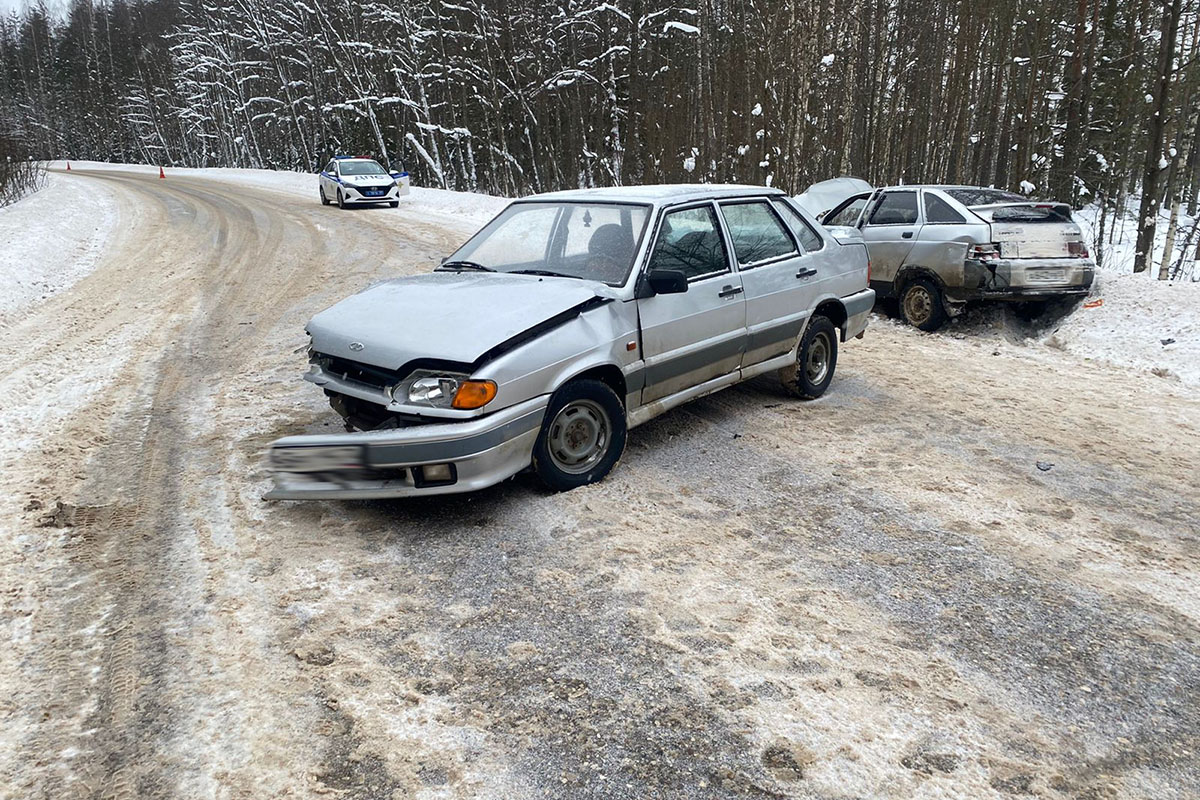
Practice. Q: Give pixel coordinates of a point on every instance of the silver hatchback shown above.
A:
(570, 318)
(936, 248)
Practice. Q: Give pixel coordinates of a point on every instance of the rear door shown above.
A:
(700, 334)
(890, 228)
(778, 278)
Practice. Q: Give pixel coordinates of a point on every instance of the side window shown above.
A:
(329, 168)
(848, 213)
(896, 208)
(810, 240)
(757, 233)
(689, 241)
(938, 210)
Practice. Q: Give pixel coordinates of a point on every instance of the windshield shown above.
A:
(361, 168)
(594, 241)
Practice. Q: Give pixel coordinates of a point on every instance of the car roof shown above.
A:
(661, 194)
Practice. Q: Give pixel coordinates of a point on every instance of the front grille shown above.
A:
(355, 371)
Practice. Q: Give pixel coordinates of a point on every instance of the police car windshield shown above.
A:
(361, 168)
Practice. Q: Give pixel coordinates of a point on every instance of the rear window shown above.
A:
(1032, 213)
(983, 197)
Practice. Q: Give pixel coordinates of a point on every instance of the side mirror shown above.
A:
(667, 281)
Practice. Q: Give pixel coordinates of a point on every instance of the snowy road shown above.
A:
(879, 594)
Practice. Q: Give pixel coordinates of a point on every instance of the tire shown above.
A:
(816, 360)
(341, 200)
(324, 199)
(921, 305)
(582, 435)
(394, 203)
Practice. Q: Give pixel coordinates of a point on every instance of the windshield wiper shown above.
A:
(459, 265)
(545, 272)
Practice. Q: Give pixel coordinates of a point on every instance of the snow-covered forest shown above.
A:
(1085, 100)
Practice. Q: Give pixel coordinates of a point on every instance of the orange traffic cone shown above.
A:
(161, 174)
(68, 166)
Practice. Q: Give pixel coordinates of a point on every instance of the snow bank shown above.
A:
(1139, 313)
(50, 239)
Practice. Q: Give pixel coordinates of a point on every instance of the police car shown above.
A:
(351, 181)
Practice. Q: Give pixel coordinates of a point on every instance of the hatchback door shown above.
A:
(694, 336)
(780, 281)
(890, 227)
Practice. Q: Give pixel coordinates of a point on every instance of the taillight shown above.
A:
(1077, 249)
(985, 252)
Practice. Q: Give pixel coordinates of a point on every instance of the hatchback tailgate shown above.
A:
(1034, 230)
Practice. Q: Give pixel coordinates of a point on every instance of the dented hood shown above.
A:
(448, 316)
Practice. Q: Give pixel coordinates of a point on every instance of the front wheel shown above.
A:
(394, 204)
(922, 306)
(324, 199)
(816, 359)
(582, 435)
(341, 200)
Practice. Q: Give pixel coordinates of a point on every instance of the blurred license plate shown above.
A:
(1046, 275)
(318, 459)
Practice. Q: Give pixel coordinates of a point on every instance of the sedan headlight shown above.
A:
(444, 390)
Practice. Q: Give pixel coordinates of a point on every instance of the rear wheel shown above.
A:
(582, 435)
(816, 359)
(921, 305)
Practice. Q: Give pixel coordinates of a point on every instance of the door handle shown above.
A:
(807, 272)
(906, 235)
(729, 291)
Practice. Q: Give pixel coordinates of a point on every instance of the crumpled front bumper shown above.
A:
(400, 462)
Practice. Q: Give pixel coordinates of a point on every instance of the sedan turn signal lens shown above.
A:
(474, 394)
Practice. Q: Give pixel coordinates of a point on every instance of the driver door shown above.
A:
(697, 335)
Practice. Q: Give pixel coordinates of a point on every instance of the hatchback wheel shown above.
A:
(816, 359)
(582, 435)
(921, 305)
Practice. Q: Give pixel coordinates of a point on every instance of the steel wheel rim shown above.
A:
(578, 437)
(918, 304)
(816, 364)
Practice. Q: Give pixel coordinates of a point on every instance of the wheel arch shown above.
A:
(835, 311)
(908, 274)
(608, 374)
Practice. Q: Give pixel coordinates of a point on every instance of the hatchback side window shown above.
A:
(689, 241)
(895, 208)
(810, 240)
(938, 210)
(758, 234)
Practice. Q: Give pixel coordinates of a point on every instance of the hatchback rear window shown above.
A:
(983, 197)
(1032, 213)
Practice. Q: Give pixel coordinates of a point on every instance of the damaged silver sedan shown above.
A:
(569, 319)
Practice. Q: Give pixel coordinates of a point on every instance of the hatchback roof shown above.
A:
(660, 193)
